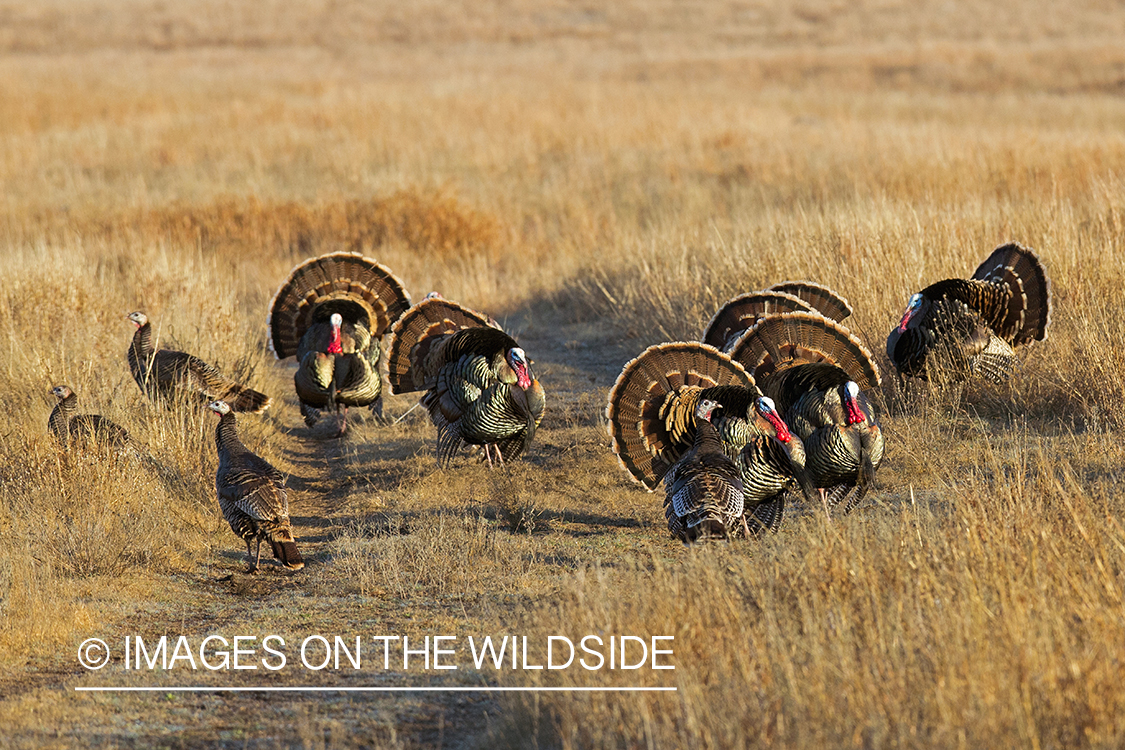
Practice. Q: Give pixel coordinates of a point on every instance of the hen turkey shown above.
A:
(817, 372)
(69, 427)
(252, 495)
(330, 314)
(703, 490)
(964, 327)
(478, 381)
(651, 416)
(162, 373)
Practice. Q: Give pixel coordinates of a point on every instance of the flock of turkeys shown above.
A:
(774, 398)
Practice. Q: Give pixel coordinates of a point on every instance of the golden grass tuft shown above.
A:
(432, 223)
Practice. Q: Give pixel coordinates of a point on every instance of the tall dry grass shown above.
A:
(600, 178)
(984, 609)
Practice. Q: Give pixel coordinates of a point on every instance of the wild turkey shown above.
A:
(70, 427)
(819, 297)
(252, 495)
(478, 381)
(816, 371)
(651, 423)
(165, 373)
(703, 490)
(330, 314)
(971, 327)
(740, 313)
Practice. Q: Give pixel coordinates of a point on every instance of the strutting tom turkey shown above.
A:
(478, 383)
(165, 373)
(817, 372)
(971, 327)
(652, 424)
(252, 495)
(331, 313)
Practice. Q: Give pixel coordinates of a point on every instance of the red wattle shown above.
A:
(854, 413)
(334, 346)
(779, 427)
(904, 321)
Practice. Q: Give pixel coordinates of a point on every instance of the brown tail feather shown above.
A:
(648, 403)
(744, 311)
(285, 550)
(781, 341)
(341, 278)
(1029, 312)
(417, 332)
(822, 299)
(248, 400)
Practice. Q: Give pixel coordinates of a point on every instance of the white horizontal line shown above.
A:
(312, 689)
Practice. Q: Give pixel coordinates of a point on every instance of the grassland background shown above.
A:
(599, 177)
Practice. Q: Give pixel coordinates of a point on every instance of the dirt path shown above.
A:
(334, 487)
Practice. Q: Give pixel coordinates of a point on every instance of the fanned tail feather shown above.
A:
(414, 336)
(343, 282)
(1029, 313)
(650, 405)
(778, 342)
(742, 312)
(822, 299)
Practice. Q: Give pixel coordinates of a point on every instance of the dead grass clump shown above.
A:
(81, 521)
(91, 512)
(434, 222)
(449, 555)
(515, 500)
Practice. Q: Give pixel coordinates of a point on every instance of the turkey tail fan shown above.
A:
(744, 311)
(1029, 310)
(347, 283)
(651, 405)
(778, 342)
(247, 400)
(414, 335)
(822, 299)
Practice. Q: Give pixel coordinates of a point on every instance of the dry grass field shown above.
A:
(598, 177)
